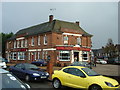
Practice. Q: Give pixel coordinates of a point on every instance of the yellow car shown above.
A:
(84, 78)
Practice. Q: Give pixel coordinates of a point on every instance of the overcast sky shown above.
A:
(97, 18)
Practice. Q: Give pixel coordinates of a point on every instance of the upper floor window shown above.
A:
(32, 41)
(25, 42)
(22, 42)
(18, 44)
(45, 40)
(79, 41)
(38, 40)
(15, 44)
(65, 39)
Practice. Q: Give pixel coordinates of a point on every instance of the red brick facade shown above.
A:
(61, 47)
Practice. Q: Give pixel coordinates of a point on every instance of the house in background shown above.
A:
(100, 53)
(62, 41)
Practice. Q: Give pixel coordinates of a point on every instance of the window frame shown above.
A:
(78, 41)
(39, 40)
(32, 41)
(45, 39)
(65, 39)
(61, 57)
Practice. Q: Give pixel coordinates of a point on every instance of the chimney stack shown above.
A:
(50, 18)
(77, 22)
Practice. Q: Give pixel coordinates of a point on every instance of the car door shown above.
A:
(76, 78)
(19, 70)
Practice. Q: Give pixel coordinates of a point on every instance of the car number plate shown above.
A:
(43, 76)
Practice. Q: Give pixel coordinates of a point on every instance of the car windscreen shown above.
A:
(31, 66)
(80, 63)
(9, 81)
(90, 72)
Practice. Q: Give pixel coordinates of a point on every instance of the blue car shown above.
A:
(29, 72)
(39, 62)
(10, 82)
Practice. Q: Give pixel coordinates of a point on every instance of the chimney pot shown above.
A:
(50, 18)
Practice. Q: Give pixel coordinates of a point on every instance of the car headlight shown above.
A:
(47, 74)
(109, 84)
(36, 74)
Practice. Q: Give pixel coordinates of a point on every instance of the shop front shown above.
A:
(67, 55)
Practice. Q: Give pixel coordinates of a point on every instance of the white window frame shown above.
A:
(85, 58)
(35, 55)
(38, 55)
(65, 39)
(25, 42)
(18, 43)
(15, 43)
(11, 55)
(32, 41)
(14, 57)
(78, 41)
(29, 56)
(21, 55)
(38, 40)
(22, 42)
(61, 57)
(43, 53)
(45, 40)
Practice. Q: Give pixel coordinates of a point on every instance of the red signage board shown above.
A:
(20, 49)
(73, 48)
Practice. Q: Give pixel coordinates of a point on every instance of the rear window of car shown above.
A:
(9, 81)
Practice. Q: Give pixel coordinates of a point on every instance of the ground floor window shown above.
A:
(21, 55)
(10, 56)
(64, 55)
(85, 55)
(14, 55)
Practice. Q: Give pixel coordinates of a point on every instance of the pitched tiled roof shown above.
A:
(54, 26)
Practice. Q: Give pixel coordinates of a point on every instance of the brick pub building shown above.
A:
(65, 42)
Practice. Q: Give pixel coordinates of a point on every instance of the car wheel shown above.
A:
(56, 83)
(95, 87)
(27, 78)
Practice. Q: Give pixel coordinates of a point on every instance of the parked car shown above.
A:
(3, 63)
(40, 62)
(101, 61)
(82, 77)
(9, 81)
(28, 72)
(82, 63)
(114, 60)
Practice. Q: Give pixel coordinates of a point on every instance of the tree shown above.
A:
(3, 39)
(110, 48)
